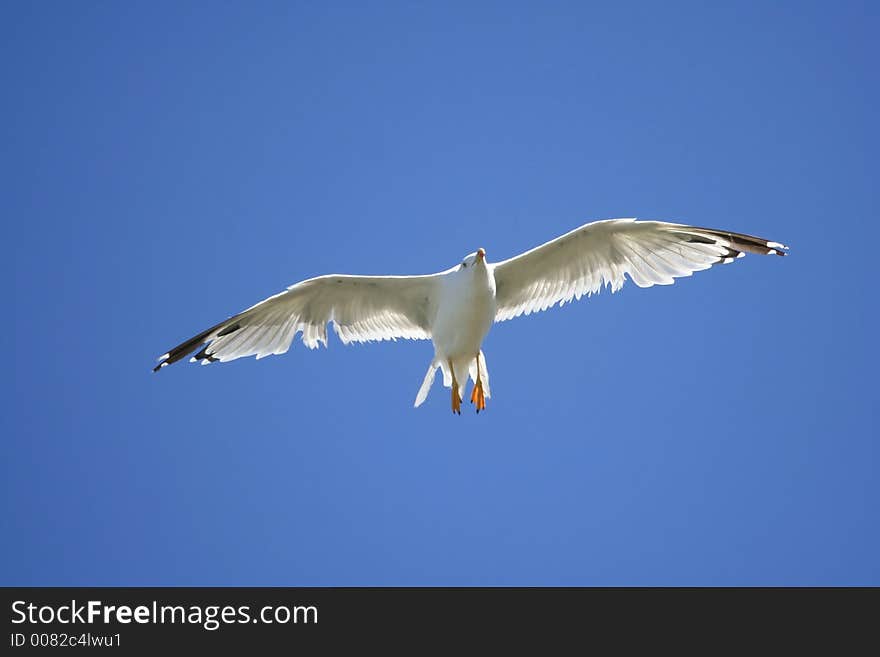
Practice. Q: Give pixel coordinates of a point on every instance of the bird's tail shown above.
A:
(460, 368)
(426, 384)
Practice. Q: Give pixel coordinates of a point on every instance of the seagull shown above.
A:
(456, 308)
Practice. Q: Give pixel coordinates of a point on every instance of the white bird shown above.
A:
(456, 308)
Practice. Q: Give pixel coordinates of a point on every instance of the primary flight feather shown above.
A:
(455, 308)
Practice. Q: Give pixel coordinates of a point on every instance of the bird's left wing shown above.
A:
(605, 252)
(362, 309)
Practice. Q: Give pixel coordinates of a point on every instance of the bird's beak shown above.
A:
(481, 254)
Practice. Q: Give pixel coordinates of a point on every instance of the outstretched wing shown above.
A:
(362, 309)
(604, 252)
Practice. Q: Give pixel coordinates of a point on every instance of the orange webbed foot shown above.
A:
(478, 397)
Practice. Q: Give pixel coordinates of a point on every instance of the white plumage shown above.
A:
(456, 308)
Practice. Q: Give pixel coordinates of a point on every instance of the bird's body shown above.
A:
(456, 308)
(465, 312)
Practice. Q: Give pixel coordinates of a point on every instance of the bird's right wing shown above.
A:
(362, 309)
(605, 252)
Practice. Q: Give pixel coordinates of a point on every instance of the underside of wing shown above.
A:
(604, 253)
(361, 308)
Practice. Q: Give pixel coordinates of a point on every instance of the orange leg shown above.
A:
(456, 400)
(477, 395)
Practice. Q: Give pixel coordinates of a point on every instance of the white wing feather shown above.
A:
(603, 253)
(361, 308)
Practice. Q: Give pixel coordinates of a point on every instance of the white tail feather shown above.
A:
(484, 371)
(426, 385)
(484, 374)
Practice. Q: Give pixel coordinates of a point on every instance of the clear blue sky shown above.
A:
(165, 165)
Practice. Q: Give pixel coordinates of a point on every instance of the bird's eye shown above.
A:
(464, 264)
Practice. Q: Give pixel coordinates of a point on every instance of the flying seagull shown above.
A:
(455, 308)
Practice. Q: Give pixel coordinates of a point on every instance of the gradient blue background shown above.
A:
(166, 165)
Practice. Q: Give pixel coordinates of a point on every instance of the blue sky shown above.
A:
(168, 164)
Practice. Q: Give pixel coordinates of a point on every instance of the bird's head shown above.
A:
(475, 259)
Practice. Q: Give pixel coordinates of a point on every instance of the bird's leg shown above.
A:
(477, 396)
(456, 400)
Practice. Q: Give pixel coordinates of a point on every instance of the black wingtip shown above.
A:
(739, 242)
(186, 348)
